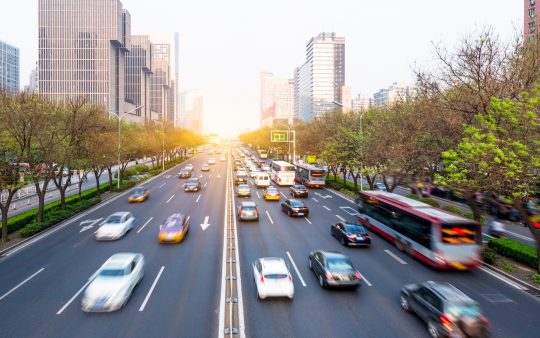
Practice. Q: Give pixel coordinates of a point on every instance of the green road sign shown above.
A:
(279, 136)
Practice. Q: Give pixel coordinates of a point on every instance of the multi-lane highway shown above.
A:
(41, 283)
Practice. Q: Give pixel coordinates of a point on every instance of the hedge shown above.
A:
(512, 249)
(142, 168)
(426, 200)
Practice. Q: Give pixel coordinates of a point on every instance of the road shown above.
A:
(40, 282)
(184, 301)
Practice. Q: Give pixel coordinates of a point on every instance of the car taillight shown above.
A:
(485, 321)
(357, 275)
(290, 278)
(446, 322)
(257, 212)
(262, 279)
(329, 276)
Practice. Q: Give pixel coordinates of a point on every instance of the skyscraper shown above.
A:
(395, 93)
(191, 110)
(9, 68)
(267, 98)
(137, 74)
(160, 84)
(319, 81)
(531, 13)
(277, 99)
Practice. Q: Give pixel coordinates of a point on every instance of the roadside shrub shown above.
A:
(142, 168)
(536, 278)
(512, 249)
(130, 172)
(426, 200)
(453, 209)
(489, 255)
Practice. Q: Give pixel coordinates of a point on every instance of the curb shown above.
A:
(535, 289)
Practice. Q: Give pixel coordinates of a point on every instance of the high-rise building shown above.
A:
(137, 74)
(346, 98)
(361, 103)
(531, 13)
(191, 110)
(9, 68)
(393, 94)
(32, 86)
(319, 81)
(267, 98)
(277, 99)
(160, 84)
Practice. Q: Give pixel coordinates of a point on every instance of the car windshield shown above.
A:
(184, 171)
(192, 182)
(243, 186)
(112, 272)
(354, 229)
(297, 204)
(275, 276)
(299, 187)
(249, 208)
(271, 191)
(463, 310)
(339, 264)
(138, 191)
(114, 219)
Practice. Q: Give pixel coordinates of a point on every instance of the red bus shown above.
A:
(310, 175)
(433, 236)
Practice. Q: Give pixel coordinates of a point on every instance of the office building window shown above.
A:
(531, 27)
(531, 13)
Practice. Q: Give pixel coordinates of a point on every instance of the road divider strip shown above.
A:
(394, 256)
(143, 305)
(282, 194)
(21, 284)
(296, 269)
(145, 224)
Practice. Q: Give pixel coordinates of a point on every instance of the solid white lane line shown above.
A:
(271, 221)
(20, 284)
(501, 278)
(151, 289)
(316, 200)
(520, 236)
(198, 198)
(205, 183)
(308, 220)
(73, 298)
(145, 224)
(282, 194)
(161, 186)
(327, 208)
(259, 196)
(365, 279)
(170, 198)
(340, 218)
(296, 269)
(395, 257)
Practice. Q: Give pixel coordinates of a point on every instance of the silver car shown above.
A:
(111, 286)
(243, 190)
(115, 226)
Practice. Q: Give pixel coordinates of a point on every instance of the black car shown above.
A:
(294, 207)
(184, 173)
(333, 268)
(349, 233)
(240, 179)
(298, 190)
(193, 184)
(447, 311)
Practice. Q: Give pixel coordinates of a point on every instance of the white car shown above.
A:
(111, 286)
(222, 158)
(272, 278)
(254, 173)
(265, 168)
(241, 172)
(211, 160)
(115, 226)
(189, 166)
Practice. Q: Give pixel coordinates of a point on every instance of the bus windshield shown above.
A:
(286, 168)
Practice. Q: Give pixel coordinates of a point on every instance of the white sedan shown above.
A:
(111, 286)
(211, 160)
(115, 226)
(272, 278)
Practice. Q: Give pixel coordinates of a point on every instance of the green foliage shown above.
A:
(130, 172)
(519, 252)
(426, 200)
(507, 267)
(536, 278)
(453, 209)
(489, 255)
(142, 168)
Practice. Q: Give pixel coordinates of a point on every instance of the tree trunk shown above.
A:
(355, 181)
(97, 175)
(59, 183)
(474, 204)
(371, 181)
(535, 232)
(4, 208)
(345, 178)
(41, 191)
(109, 170)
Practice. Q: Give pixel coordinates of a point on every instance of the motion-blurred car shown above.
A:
(112, 284)
(243, 190)
(265, 168)
(298, 190)
(184, 173)
(447, 311)
(333, 268)
(253, 173)
(348, 233)
(271, 194)
(294, 207)
(222, 158)
(496, 228)
(189, 166)
(272, 278)
(247, 211)
(205, 167)
(240, 179)
(139, 194)
(379, 186)
(115, 226)
(174, 229)
(211, 160)
(193, 184)
(242, 172)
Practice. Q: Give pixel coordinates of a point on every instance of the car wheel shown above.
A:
(405, 304)
(342, 241)
(432, 329)
(322, 282)
(310, 264)
(289, 213)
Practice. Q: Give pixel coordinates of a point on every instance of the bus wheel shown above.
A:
(399, 244)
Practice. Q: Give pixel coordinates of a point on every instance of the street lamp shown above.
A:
(119, 116)
(361, 114)
(289, 141)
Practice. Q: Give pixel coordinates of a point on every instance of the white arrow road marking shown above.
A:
(340, 218)
(205, 224)
(350, 211)
(198, 198)
(316, 200)
(143, 305)
(321, 196)
(170, 198)
(21, 284)
(296, 269)
(327, 208)
(145, 224)
(91, 222)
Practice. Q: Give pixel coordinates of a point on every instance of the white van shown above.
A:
(262, 180)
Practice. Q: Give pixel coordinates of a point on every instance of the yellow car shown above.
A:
(174, 230)
(271, 194)
(139, 194)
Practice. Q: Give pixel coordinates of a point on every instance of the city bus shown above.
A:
(435, 237)
(263, 153)
(282, 172)
(311, 175)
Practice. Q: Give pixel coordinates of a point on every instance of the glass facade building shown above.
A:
(160, 80)
(137, 74)
(9, 68)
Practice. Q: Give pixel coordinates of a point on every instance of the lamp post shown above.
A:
(119, 116)
(361, 114)
(289, 141)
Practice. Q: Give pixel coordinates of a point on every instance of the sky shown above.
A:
(225, 44)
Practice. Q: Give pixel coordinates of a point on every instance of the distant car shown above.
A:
(294, 207)
(189, 166)
(241, 172)
(265, 168)
(193, 184)
(205, 167)
(240, 179)
(333, 268)
(247, 211)
(380, 186)
(496, 228)
(298, 190)
(243, 190)
(223, 159)
(115, 226)
(211, 160)
(348, 233)
(184, 173)
(271, 194)
(254, 173)
(139, 194)
(174, 229)
(272, 278)
(447, 311)
(112, 284)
